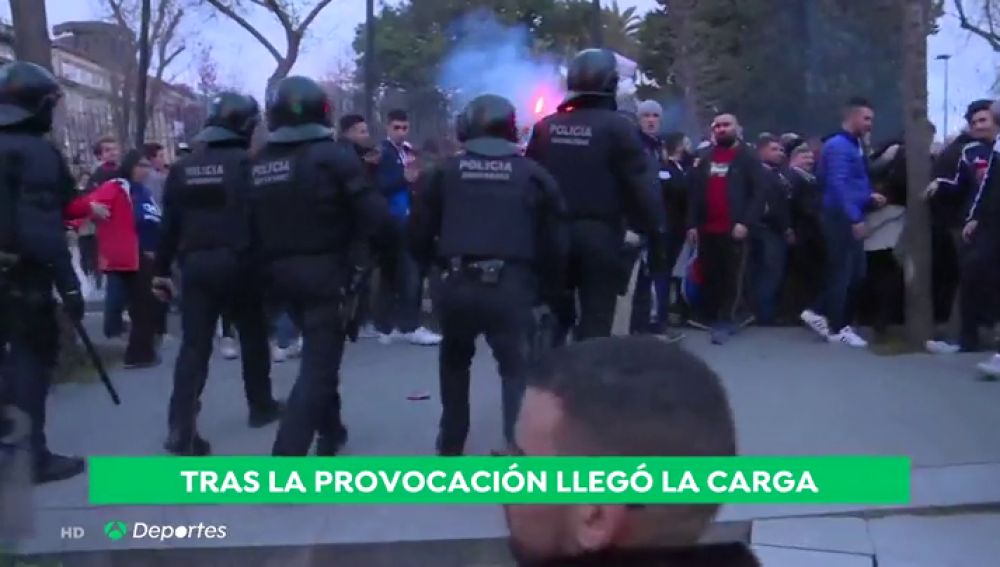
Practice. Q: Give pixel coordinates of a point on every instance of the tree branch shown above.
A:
(966, 24)
(311, 16)
(243, 23)
(273, 7)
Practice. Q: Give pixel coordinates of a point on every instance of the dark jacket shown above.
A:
(744, 186)
(806, 206)
(955, 172)
(652, 147)
(985, 204)
(718, 555)
(391, 180)
(777, 209)
(675, 186)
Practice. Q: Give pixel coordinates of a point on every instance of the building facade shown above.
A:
(83, 59)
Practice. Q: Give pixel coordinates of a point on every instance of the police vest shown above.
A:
(581, 158)
(35, 186)
(487, 210)
(210, 194)
(298, 201)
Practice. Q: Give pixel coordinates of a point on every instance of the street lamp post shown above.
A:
(370, 62)
(945, 58)
(597, 25)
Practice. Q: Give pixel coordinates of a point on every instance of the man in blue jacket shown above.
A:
(398, 310)
(847, 194)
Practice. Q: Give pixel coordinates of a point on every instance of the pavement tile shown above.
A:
(786, 557)
(966, 540)
(848, 535)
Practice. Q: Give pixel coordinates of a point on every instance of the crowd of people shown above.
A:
(789, 228)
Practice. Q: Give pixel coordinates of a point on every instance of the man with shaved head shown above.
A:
(622, 396)
(725, 203)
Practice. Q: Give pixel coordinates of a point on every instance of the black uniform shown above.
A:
(35, 188)
(206, 220)
(313, 217)
(498, 222)
(597, 157)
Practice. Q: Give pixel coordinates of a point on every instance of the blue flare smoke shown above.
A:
(488, 57)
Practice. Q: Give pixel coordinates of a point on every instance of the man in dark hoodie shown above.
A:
(726, 190)
(571, 397)
(596, 156)
(959, 171)
(769, 240)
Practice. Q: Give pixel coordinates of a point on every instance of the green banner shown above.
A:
(499, 480)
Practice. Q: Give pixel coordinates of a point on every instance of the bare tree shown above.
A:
(141, 110)
(983, 23)
(295, 17)
(917, 18)
(166, 44)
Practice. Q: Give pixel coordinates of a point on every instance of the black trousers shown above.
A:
(214, 282)
(598, 273)
(308, 286)
(978, 293)
(724, 263)
(29, 349)
(502, 312)
(148, 314)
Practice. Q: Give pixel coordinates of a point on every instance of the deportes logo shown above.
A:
(141, 530)
(115, 530)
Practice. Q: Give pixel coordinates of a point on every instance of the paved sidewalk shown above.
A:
(791, 396)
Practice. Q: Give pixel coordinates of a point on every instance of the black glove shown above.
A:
(73, 305)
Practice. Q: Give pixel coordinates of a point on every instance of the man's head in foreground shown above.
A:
(618, 397)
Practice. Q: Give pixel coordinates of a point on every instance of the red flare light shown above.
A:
(540, 105)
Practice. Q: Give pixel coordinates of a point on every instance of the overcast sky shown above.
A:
(245, 63)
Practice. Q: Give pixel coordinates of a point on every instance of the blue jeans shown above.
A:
(285, 332)
(845, 270)
(114, 305)
(768, 252)
(400, 286)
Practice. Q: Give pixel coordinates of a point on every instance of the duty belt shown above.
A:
(486, 271)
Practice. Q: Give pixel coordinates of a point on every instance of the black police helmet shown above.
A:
(490, 126)
(491, 116)
(298, 110)
(231, 116)
(593, 72)
(28, 92)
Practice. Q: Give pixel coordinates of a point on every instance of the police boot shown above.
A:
(186, 444)
(262, 417)
(328, 445)
(53, 468)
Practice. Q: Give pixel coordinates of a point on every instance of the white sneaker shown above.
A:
(941, 347)
(423, 337)
(368, 332)
(229, 349)
(848, 337)
(816, 322)
(278, 354)
(991, 367)
(389, 338)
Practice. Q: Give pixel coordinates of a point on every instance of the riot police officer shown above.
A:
(596, 156)
(206, 220)
(313, 216)
(35, 188)
(498, 221)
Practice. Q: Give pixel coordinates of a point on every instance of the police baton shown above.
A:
(96, 359)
